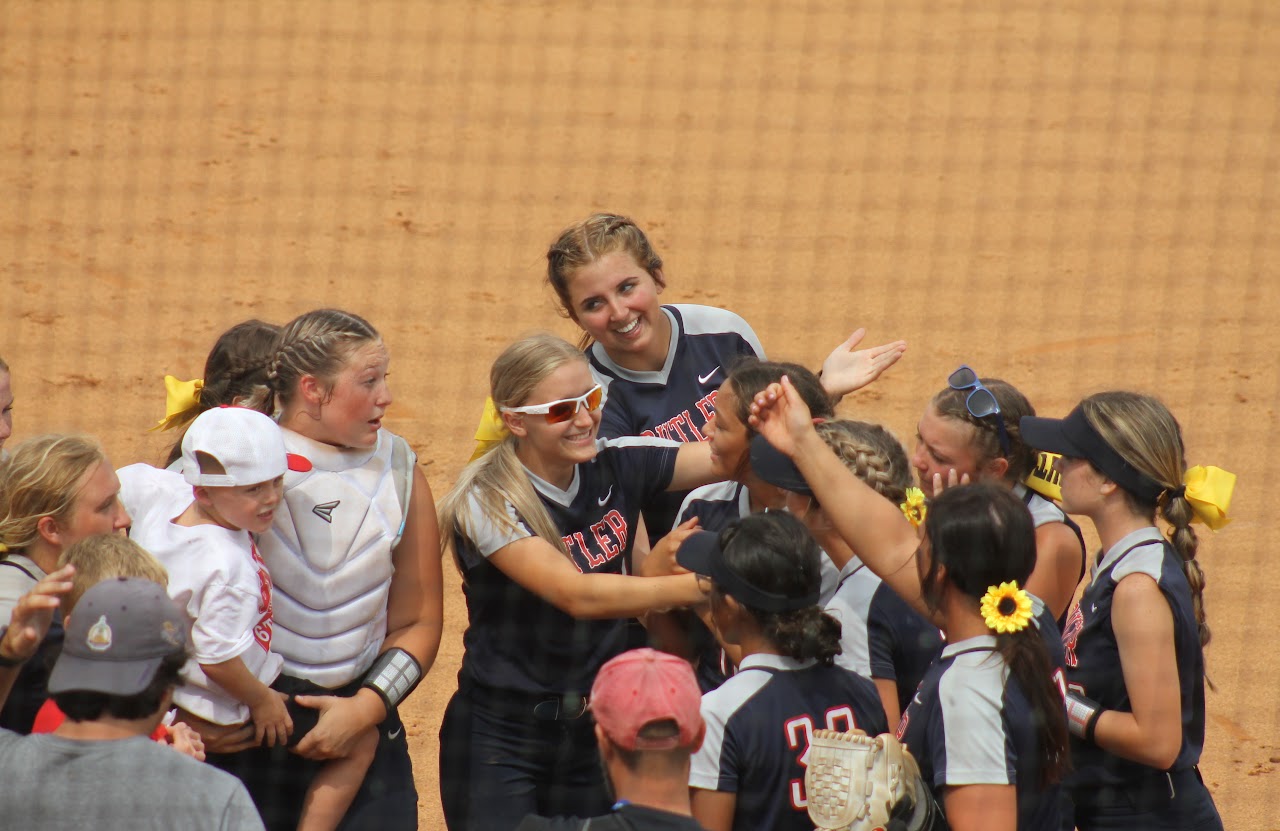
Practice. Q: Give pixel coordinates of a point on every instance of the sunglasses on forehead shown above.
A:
(566, 408)
(981, 402)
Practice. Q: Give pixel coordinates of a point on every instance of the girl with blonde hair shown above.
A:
(54, 491)
(541, 526)
(1135, 642)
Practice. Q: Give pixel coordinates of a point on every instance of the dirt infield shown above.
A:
(1070, 196)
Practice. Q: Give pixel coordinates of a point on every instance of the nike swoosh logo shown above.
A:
(1094, 607)
(916, 699)
(395, 734)
(605, 498)
(702, 379)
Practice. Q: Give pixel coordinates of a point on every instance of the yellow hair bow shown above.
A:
(1209, 490)
(181, 402)
(1044, 479)
(490, 431)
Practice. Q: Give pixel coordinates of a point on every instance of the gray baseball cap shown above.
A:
(118, 635)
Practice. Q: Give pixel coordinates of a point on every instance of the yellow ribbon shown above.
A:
(490, 431)
(1045, 479)
(181, 402)
(1209, 491)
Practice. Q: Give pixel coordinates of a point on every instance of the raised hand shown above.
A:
(780, 415)
(848, 369)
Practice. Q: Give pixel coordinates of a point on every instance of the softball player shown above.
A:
(969, 431)
(1134, 643)
(54, 491)
(540, 526)
(662, 365)
(986, 724)
(881, 637)
(354, 556)
(235, 366)
(719, 505)
(749, 772)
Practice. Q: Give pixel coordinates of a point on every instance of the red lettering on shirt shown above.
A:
(599, 531)
(618, 523)
(1071, 633)
(262, 630)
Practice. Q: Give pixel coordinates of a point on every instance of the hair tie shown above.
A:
(1176, 493)
(490, 431)
(181, 402)
(1208, 490)
(1006, 608)
(915, 507)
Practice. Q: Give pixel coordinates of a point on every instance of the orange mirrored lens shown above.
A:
(565, 410)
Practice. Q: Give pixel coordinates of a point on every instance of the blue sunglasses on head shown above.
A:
(981, 402)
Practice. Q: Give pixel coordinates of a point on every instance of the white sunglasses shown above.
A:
(566, 408)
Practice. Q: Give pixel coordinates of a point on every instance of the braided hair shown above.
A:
(1146, 435)
(318, 343)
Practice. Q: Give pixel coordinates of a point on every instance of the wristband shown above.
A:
(393, 676)
(8, 662)
(1082, 715)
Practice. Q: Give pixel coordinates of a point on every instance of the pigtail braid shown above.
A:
(1177, 511)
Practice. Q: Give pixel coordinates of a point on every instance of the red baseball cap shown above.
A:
(640, 687)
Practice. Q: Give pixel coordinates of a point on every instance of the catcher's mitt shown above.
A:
(857, 783)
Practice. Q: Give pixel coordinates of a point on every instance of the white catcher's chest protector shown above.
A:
(329, 554)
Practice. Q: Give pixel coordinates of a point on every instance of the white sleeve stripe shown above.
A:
(710, 320)
(636, 441)
(718, 706)
(971, 695)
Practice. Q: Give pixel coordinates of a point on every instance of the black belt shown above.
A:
(522, 705)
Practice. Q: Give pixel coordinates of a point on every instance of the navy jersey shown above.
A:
(1093, 658)
(759, 725)
(881, 636)
(516, 640)
(1043, 511)
(677, 401)
(970, 723)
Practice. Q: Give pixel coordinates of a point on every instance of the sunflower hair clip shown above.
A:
(914, 508)
(1006, 608)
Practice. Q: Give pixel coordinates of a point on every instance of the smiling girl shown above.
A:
(663, 364)
(540, 526)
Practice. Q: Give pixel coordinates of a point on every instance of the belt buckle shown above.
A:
(561, 708)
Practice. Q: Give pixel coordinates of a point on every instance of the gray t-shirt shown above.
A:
(127, 784)
(18, 576)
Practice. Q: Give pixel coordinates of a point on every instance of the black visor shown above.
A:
(1075, 437)
(701, 554)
